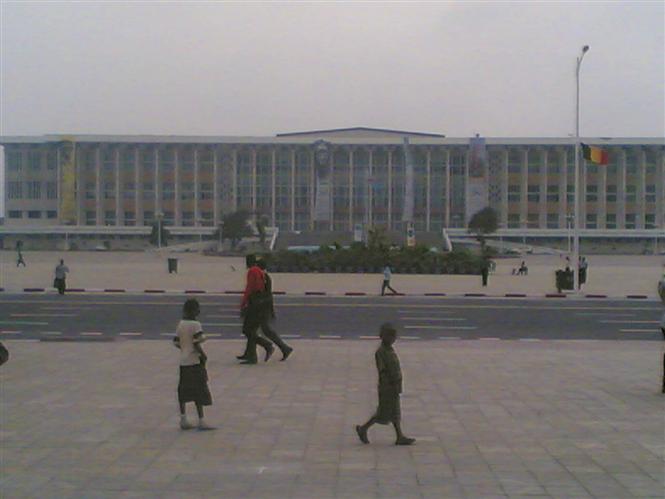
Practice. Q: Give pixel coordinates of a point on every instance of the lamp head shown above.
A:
(585, 48)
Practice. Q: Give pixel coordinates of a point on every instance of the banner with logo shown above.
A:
(67, 193)
(477, 190)
(323, 199)
(407, 214)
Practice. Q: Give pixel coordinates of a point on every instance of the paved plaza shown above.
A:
(492, 418)
(616, 276)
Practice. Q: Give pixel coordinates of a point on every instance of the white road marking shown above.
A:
(489, 338)
(329, 336)
(449, 338)
(639, 330)
(529, 339)
(220, 316)
(10, 332)
(52, 333)
(402, 337)
(213, 335)
(629, 322)
(43, 315)
(218, 324)
(608, 314)
(65, 308)
(433, 318)
(91, 333)
(25, 323)
(166, 334)
(130, 334)
(438, 327)
(368, 337)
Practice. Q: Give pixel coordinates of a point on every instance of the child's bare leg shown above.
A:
(199, 410)
(401, 438)
(362, 430)
(184, 424)
(202, 424)
(183, 411)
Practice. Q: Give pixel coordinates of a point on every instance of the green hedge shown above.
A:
(360, 259)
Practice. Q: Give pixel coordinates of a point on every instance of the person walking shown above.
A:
(390, 388)
(583, 267)
(60, 277)
(254, 304)
(19, 254)
(268, 315)
(485, 270)
(193, 380)
(387, 275)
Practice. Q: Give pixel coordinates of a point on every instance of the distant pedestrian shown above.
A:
(390, 388)
(4, 354)
(583, 268)
(387, 275)
(269, 315)
(661, 289)
(61, 277)
(485, 270)
(19, 254)
(255, 302)
(662, 330)
(193, 381)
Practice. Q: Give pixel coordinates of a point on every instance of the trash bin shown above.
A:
(564, 280)
(173, 265)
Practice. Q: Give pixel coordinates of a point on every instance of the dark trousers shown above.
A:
(250, 328)
(272, 335)
(485, 273)
(386, 284)
(60, 285)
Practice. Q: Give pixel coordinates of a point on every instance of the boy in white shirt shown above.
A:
(193, 383)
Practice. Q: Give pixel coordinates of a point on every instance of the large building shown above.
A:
(328, 180)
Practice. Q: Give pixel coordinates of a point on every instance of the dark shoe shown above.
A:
(248, 362)
(269, 351)
(405, 441)
(285, 354)
(241, 357)
(362, 434)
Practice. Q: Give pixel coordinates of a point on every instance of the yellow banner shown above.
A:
(68, 182)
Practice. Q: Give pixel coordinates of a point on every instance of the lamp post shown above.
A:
(159, 216)
(569, 224)
(576, 221)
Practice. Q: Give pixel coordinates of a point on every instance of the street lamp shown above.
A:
(576, 234)
(159, 216)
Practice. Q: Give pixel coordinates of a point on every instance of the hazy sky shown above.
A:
(499, 69)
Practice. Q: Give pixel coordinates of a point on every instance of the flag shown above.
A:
(595, 154)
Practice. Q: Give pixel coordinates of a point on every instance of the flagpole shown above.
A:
(576, 221)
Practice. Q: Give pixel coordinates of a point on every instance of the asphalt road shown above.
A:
(97, 317)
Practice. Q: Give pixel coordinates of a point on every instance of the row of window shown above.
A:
(32, 214)
(33, 190)
(534, 194)
(592, 221)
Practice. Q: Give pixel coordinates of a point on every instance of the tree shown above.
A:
(154, 237)
(377, 239)
(483, 223)
(236, 227)
(261, 224)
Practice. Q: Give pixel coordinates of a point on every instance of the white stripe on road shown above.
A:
(489, 338)
(449, 338)
(639, 331)
(91, 333)
(221, 316)
(10, 332)
(439, 327)
(52, 333)
(65, 308)
(368, 337)
(220, 324)
(433, 318)
(25, 323)
(166, 334)
(629, 322)
(402, 337)
(213, 335)
(329, 336)
(43, 315)
(130, 334)
(608, 314)
(529, 339)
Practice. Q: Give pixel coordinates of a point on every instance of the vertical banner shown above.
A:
(407, 214)
(323, 199)
(477, 192)
(67, 182)
(410, 235)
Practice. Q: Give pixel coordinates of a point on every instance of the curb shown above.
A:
(475, 294)
(111, 290)
(33, 290)
(355, 293)
(194, 292)
(71, 339)
(595, 296)
(154, 291)
(555, 295)
(234, 292)
(435, 294)
(315, 293)
(515, 295)
(637, 297)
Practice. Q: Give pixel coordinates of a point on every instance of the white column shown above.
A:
(601, 212)
(99, 200)
(312, 193)
(448, 201)
(253, 180)
(292, 224)
(138, 188)
(351, 189)
(390, 188)
(118, 199)
(582, 195)
(641, 188)
(234, 176)
(428, 189)
(158, 184)
(177, 215)
(504, 188)
(331, 165)
(563, 188)
(215, 188)
(524, 189)
(621, 190)
(80, 187)
(542, 200)
(370, 190)
(197, 209)
(660, 189)
(273, 187)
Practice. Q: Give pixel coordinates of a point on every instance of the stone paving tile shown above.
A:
(511, 420)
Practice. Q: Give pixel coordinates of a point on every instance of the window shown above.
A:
(35, 160)
(611, 221)
(51, 160)
(514, 193)
(591, 221)
(14, 190)
(90, 218)
(129, 190)
(14, 160)
(630, 220)
(591, 168)
(109, 190)
(513, 220)
(15, 214)
(130, 218)
(552, 220)
(187, 160)
(90, 190)
(591, 193)
(188, 218)
(205, 190)
(148, 217)
(650, 196)
(570, 193)
(168, 218)
(51, 214)
(533, 221)
(553, 193)
(34, 214)
(168, 190)
(109, 217)
(533, 195)
(108, 160)
(631, 193)
(611, 194)
(206, 217)
(187, 190)
(34, 190)
(650, 221)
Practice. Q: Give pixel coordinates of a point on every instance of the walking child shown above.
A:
(390, 388)
(387, 274)
(193, 383)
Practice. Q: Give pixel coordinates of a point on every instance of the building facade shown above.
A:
(130, 181)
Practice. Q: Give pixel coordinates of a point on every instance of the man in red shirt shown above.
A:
(252, 308)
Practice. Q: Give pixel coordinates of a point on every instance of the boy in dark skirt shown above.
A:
(390, 388)
(193, 383)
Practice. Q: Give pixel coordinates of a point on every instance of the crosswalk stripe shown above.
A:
(131, 334)
(91, 333)
(329, 336)
(10, 332)
(449, 338)
(427, 326)
(612, 321)
(433, 319)
(639, 330)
